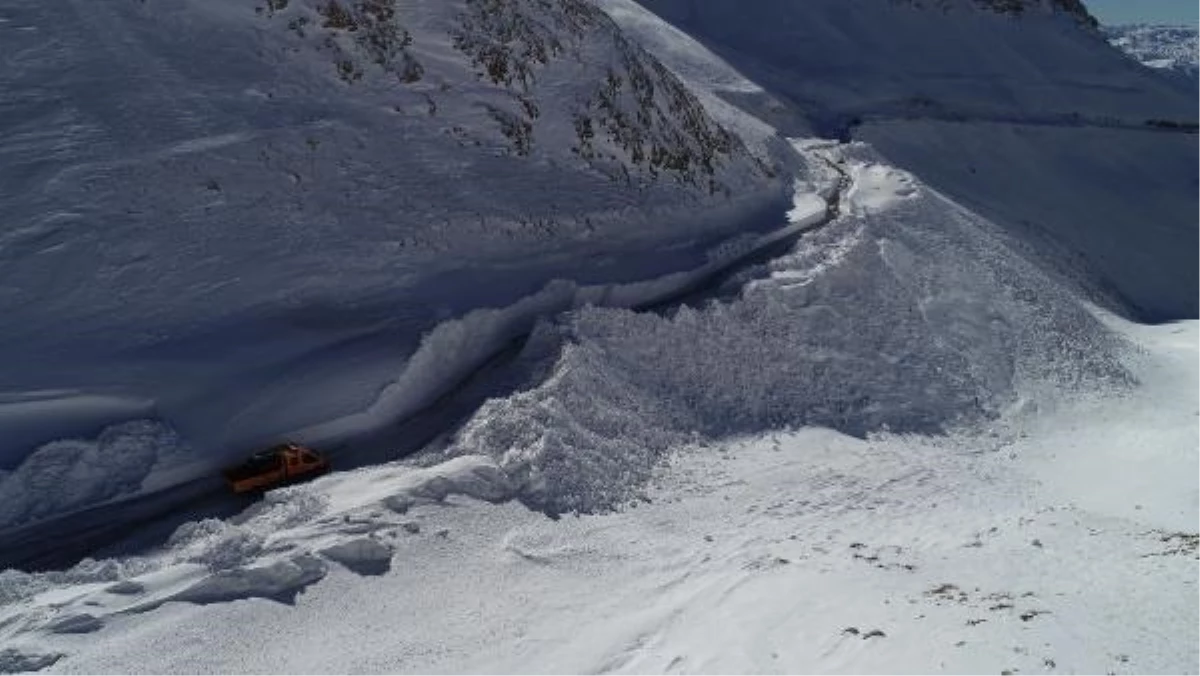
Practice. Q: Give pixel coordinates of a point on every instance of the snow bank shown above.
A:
(73, 473)
(455, 348)
(273, 551)
(912, 316)
(877, 187)
(797, 552)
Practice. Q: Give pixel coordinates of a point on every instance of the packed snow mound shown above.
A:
(72, 473)
(244, 217)
(1162, 47)
(911, 314)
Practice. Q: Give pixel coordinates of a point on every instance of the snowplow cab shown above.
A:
(279, 465)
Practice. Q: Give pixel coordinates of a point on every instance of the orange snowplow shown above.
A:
(276, 466)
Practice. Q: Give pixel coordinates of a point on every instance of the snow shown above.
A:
(67, 474)
(252, 245)
(364, 556)
(1089, 463)
(784, 552)
(1030, 119)
(878, 187)
(1119, 220)
(732, 528)
(1164, 47)
(948, 326)
(904, 445)
(950, 55)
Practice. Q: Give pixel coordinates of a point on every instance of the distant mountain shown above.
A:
(1171, 48)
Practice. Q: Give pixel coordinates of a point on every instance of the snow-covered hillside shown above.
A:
(239, 221)
(1051, 528)
(1039, 123)
(1174, 48)
(615, 375)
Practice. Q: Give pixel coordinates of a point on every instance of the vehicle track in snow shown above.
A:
(132, 525)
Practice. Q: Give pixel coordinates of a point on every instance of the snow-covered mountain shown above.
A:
(1173, 48)
(240, 220)
(659, 336)
(998, 109)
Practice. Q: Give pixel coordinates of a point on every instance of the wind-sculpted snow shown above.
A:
(910, 315)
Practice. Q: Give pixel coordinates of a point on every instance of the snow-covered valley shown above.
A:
(670, 393)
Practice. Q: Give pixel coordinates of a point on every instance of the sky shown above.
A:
(1145, 11)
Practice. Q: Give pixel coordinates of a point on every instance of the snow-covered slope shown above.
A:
(240, 220)
(1015, 542)
(1012, 97)
(731, 525)
(1173, 48)
(951, 57)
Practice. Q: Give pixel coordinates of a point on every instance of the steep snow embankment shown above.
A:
(1028, 105)
(752, 548)
(250, 243)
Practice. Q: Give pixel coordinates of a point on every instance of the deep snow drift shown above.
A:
(1027, 107)
(240, 222)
